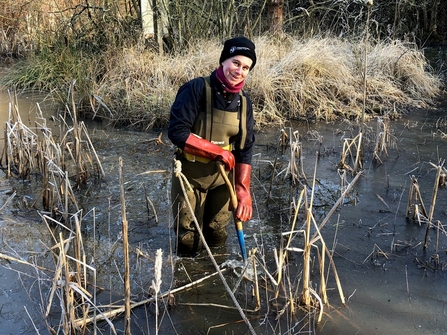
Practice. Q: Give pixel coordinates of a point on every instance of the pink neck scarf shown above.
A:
(225, 84)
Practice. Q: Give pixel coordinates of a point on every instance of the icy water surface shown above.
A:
(391, 284)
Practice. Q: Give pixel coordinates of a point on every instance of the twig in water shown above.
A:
(119, 310)
(352, 294)
(149, 203)
(406, 280)
(31, 319)
(8, 200)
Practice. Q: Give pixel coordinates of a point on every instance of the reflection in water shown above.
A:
(26, 104)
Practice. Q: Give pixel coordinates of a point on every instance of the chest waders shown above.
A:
(209, 196)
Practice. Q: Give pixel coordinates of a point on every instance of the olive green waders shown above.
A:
(209, 199)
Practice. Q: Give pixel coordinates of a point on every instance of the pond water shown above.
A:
(391, 283)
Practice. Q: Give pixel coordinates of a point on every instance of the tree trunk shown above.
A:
(434, 17)
(275, 10)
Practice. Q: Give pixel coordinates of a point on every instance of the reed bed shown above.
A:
(416, 209)
(384, 139)
(36, 151)
(293, 288)
(301, 258)
(74, 285)
(63, 166)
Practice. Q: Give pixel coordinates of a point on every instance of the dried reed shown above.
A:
(415, 201)
(71, 279)
(27, 153)
(127, 309)
(157, 283)
(433, 203)
(384, 139)
(435, 189)
(352, 150)
(309, 298)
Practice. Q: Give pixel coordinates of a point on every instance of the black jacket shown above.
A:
(190, 100)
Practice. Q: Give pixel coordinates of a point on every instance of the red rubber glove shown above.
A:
(197, 146)
(244, 209)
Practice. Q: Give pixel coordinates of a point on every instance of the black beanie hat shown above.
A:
(238, 46)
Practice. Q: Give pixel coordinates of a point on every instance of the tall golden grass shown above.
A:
(318, 78)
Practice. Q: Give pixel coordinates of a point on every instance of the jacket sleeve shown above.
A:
(184, 111)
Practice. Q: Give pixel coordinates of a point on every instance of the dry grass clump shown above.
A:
(318, 78)
(403, 68)
(139, 87)
(312, 78)
(322, 78)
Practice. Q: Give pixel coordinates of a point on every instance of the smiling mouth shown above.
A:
(235, 78)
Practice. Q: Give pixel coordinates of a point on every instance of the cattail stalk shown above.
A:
(157, 283)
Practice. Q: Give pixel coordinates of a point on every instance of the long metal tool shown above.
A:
(237, 222)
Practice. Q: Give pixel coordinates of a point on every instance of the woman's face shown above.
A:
(236, 68)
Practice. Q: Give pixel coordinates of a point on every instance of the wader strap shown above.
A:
(209, 108)
(243, 120)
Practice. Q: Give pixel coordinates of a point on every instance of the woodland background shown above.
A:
(93, 25)
(324, 59)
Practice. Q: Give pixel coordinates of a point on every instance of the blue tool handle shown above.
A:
(240, 237)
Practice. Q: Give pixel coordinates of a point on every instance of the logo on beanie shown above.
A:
(235, 48)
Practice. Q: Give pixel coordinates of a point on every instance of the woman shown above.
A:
(211, 123)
